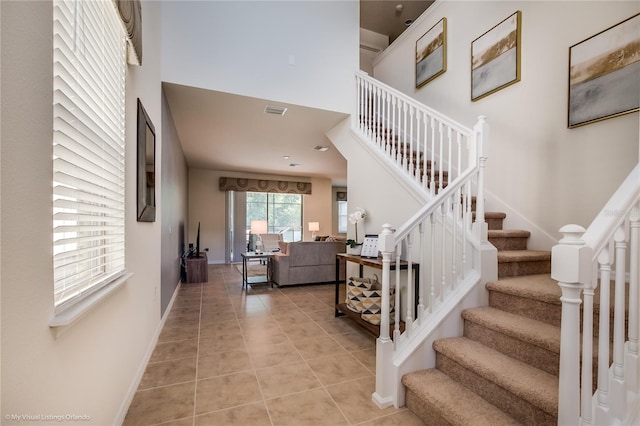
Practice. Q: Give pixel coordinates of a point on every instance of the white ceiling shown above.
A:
(222, 131)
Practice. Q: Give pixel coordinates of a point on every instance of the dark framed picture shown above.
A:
(431, 53)
(495, 58)
(604, 74)
(146, 167)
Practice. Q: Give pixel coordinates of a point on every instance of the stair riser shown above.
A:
(494, 224)
(517, 407)
(536, 356)
(542, 311)
(427, 412)
(530, 308)
(516, 269)
(509, 243)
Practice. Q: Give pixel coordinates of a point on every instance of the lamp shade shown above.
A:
(314, 226)
(259, 227)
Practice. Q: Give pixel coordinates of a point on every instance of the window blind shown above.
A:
(88, 148)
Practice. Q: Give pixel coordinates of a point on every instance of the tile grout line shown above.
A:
(195, 390)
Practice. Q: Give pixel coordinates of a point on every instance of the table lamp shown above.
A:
(258, 227)
(314, 227)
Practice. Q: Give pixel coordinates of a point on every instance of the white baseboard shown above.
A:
(133, 387)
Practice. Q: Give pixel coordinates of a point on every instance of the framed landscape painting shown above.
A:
(431, 53)
(604, 74)
(495, 58)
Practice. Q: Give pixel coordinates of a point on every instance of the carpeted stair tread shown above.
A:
(523, 256)
(531, 331)
(535, 386)
(509, 233)
(539, 287)
(452, 401)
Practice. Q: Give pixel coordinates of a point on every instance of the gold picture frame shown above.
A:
(431, 53)
(604, 74)
(495, 58)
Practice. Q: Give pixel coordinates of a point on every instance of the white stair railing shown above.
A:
(585, 262)
(447, 161)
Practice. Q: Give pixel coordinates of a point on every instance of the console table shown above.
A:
(340, 307)
(197, 269)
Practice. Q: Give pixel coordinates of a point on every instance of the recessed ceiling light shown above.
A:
(286, 157)
(321, 148)
(276, 110)
(294, 165)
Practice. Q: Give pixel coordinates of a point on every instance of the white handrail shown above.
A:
(447, 160)
(585, 261)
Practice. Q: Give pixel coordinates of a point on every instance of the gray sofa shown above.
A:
(307, 262)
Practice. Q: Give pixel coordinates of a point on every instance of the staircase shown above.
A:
(504, 369)
(544, 350)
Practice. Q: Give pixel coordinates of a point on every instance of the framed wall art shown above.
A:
(495, 58)
(431, 53)
(604, 74)
(146, 167)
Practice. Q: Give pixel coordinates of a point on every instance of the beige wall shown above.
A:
(547, 174)
(207, 205)
(90, 367)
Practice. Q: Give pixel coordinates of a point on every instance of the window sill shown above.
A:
(71, 315)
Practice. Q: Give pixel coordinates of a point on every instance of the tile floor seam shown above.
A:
(195, 390)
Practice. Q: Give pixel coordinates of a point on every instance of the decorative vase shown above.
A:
(356, 250)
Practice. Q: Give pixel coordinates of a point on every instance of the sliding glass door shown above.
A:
(283, 213)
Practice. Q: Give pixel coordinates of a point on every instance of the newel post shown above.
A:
(481, 130)
(570, 267)
(383, 396)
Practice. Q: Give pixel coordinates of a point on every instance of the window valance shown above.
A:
(131, 15)
(263, 185)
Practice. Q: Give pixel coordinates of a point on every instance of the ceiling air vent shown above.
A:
(277, 110)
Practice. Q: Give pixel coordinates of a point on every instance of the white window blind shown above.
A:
(88, 148)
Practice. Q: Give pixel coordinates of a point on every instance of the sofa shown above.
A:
(307, 262)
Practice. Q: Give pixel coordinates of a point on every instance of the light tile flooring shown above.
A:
(259, 356)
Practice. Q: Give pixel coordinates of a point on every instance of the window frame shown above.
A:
(89, 73)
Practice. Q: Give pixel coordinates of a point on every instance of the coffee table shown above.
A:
(262, 279)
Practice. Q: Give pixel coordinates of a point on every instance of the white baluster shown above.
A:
(587, 355)
(602, 407)
(410, 145)
(432, 266)
(403, 149)
(385, 113)
(618, 388)
(425, 152)
(566, 268)
(421, 279)
(396, 328)
(441, 155)
(443, 250)
(633, 358)
(432, 184)
(394, 126)
(482, 133)
(454, 239)
(450, 149)
(410, 301)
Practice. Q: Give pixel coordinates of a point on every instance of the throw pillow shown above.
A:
(371, 302)
(355, 287)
